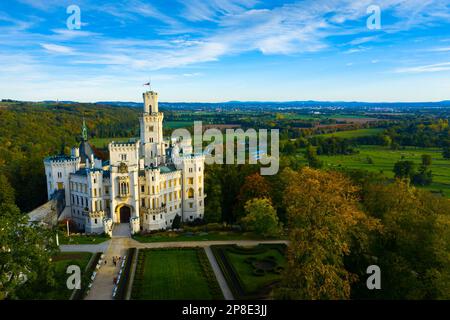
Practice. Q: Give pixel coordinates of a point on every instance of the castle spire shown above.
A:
(84, 133)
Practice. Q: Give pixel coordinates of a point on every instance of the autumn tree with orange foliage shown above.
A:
(255, 186)
(324, 218)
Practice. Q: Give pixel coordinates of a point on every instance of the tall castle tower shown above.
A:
(152, 144)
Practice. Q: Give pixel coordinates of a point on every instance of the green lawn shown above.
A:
(354, 133)
(103, 142)
(59, 290)
(197, 236)
(384, 159)
(178, 124)
(174, 274)
(240, 273)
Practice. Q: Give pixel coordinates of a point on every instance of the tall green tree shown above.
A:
(25, 254)
(261, 217)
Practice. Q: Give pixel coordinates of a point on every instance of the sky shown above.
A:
(222, 50)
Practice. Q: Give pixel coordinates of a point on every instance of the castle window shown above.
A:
(199, 169)
(95, 221)
(200, 179)
(190, 193)
(123, 157)
(200, 203)
(199, 191)
(191, 205)
(191, 180)
(160, 216)
(142, 202)
(154, 217)
(106, 190)
(191, 217)
(95, 180)
(142, 189)
(190, 169)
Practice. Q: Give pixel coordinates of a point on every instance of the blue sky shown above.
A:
(220, 50)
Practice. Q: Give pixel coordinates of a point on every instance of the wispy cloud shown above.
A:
(438, 67)
(54, 48)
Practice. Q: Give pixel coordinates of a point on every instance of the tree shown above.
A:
(255, 186)
(426, 160)
(261, 217)
(404, 169)
(446, 152)
(413, 250)
(176, 223)
(324, 220)
(26, 254)
(312, 158)
(424, 177)
(6, 191)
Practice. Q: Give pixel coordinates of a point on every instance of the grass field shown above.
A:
(59, 290)
(239, 268)
(177, 124)
(384, 159)
(175, 274)
(354, 133)
(103, 142)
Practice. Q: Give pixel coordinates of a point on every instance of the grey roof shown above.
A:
(85, 171)
(59, 158)
(167, 169)
(85, 151)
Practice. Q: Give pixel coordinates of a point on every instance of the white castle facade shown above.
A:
(142, 183)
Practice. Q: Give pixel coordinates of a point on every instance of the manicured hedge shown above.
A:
(232, 276)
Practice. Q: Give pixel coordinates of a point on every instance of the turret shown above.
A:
(150, 102)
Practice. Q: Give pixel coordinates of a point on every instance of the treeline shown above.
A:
(339, 224)
(31, 131)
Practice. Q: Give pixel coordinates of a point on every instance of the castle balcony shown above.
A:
(95, 214)
(154, 211)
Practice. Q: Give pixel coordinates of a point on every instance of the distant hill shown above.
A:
(284, 104)
(269, 105)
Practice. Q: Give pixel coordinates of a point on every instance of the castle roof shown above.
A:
(85, 171)
(85, 151)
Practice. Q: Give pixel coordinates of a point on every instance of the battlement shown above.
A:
(150, 102)
(62, 159)
(118, 145)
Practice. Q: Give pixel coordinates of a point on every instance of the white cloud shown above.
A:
(438, 67)
(54, 48)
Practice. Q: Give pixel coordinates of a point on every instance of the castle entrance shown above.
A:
(125, 214)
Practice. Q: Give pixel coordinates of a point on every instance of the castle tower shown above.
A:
(152, 148)
(150, 102)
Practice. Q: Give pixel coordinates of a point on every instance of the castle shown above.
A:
(147, 182)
